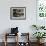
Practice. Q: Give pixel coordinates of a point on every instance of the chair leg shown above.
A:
(5, 43)
(5, 39)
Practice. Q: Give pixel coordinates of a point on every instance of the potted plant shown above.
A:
(39, 35)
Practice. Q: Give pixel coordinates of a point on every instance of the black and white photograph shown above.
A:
(17, 13)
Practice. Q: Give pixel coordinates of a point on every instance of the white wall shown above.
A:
(24, 25)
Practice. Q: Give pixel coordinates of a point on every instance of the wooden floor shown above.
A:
(13, 44)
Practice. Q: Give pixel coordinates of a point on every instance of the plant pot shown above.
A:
(40, 40)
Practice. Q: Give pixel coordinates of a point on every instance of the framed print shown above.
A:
(41, 12)
(18, 13)
(41, 8)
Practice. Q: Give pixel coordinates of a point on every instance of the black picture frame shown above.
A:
(18, 13)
